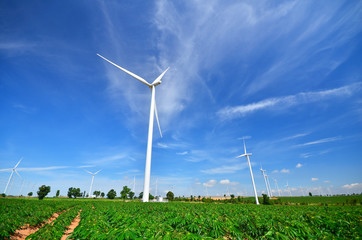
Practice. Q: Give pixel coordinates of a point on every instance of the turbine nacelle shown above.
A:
(244, 155)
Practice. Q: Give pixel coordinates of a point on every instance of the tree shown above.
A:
(57, 194)
(310, 194)
(43, 191)
(111, 194)
(140, 196)
(125, 191)
(170, 195)
(266, 200)
(232, 196)
(97, 193)
(151, 197)
(131, 195)
(102, 194)
(74, 192)
(30, 194)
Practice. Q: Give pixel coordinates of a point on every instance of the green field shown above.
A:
(115, 219)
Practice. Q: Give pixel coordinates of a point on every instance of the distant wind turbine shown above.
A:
(276, 184)
(90, 189)
(12, 172)
(270, 190)
(251, 171)
(153, 111)
(290, 193)
(266, 184)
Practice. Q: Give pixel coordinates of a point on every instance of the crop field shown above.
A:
(106, 219)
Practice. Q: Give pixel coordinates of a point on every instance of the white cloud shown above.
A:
(326, 181)
(353, 186)
(210, 183)
(225, 169)
(41, 168)
(315, 179)
(299, 165)
(295, 136)
(162, 145)
(227, 182)
(288, 101)
(284, 170)
(324, 140)
(182, 153)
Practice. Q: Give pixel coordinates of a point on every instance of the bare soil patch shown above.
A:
(72, 226)
(26, 230)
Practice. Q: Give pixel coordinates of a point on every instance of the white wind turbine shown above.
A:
(12, 172)
(276, 184)
(270, 190)
(251, 171)
(153, 111)
(290, 193)
(91, 186)
(266, 184)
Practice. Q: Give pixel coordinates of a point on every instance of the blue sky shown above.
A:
(286, 75)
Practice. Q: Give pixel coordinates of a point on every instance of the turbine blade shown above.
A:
(158, 80)
(5, 170)
(126, 71)
(18, 162)
(98, 171)
(88, 172)
(158, 123)
(17, 173)
(242, 155)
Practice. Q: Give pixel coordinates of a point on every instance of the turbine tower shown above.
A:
(290, 193)
(90, 189)
(276, 184)
(153, 111)
(270, 190)
(12, 172)
(266, 184)
(251, 171)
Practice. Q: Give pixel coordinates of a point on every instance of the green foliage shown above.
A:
(111, 194)
(30, 194)
(125, 192)
(310, 194)
(102, 194)
(4, 195)
(170, 195)
(131, 195)
(74, 192)
(43, 191)
(97, 193)
(266, 200)
(232, 196)
(58, 193)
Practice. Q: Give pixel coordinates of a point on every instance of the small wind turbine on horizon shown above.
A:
(12, 172)
(91, 186)
(153, 111)
(266, 184)
(251, 171)
(290, 193)
(276, 184)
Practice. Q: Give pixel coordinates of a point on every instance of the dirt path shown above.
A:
(26, 230)
(72, 226)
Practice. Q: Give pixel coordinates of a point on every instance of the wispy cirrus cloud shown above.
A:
(41, 168)
(225, 169)
(288, 101)
(324, 140)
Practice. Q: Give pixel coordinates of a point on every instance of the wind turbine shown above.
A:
(134, 184)
(270, 190)
(266, 184)
(90, 189)
(251, 171)
(290, 193)
(12, 172)
(153, 111)
(276, 184)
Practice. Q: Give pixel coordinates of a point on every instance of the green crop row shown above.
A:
(56, 229)
(104, 219)
(15, 213)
